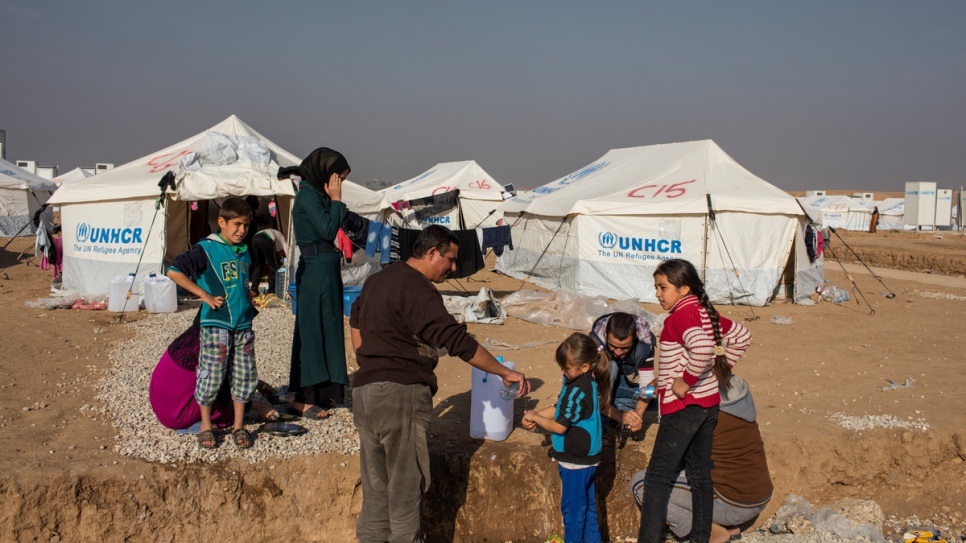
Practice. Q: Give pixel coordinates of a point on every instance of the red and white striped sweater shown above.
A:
(687, 351)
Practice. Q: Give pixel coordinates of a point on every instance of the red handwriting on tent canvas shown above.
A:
(481, 184)
(441, 190)
(166, 161)
(667, 191)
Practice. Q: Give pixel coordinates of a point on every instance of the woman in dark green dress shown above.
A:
(318, 375)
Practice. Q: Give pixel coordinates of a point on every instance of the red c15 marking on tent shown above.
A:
(668, 191)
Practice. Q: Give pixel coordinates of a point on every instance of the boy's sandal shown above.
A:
(206, 440)
(243, 438)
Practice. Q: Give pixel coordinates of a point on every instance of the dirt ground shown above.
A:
(62, 480)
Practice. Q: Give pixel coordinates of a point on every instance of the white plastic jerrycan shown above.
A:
(118, 294)
(160, 294)
(491, 417)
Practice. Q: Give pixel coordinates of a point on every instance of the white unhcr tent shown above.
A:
(837, 212)
(891, 212)
(479, 196)
(603, 229)
(21, 195)
(111, 221)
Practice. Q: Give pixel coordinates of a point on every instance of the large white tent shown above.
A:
(21, 195)
(479, 196)
(77, 174)
(112, 221)
(603, 229)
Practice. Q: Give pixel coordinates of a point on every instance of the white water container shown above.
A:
(491, 417)
(117, 296)
(160, 294)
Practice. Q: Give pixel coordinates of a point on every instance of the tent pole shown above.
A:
(166, 181)
(530, 273)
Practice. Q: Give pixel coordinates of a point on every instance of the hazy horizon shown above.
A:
(823, 95)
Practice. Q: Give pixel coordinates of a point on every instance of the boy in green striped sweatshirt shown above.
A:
(216, 270)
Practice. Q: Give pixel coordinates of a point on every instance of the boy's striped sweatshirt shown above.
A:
(687, 351)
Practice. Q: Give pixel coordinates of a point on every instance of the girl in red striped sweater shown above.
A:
(698, 349)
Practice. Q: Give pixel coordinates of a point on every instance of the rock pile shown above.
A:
(124, 393)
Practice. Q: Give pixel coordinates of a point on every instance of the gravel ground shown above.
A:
(124, 393)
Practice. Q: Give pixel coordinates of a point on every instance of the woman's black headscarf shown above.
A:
(319, 166)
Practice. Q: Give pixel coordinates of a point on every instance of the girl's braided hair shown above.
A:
(580, 349)
(682, 273)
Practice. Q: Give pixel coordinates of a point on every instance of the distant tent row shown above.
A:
(477, 202)
(840, 212)
(603, 229)
(21, 195)
(847, 213)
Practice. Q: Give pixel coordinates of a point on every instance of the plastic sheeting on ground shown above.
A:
(482, 308)
(569, 310)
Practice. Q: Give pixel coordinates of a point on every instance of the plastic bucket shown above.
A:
(349, 295)
(293, 295)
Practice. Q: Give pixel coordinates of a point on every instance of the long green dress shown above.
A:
(318, 345)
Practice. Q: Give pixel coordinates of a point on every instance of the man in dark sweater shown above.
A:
(397, 324)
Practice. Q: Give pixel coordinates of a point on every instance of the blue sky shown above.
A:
(857, 95)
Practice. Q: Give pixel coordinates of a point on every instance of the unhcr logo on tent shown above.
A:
(607, 240)
(83, 230)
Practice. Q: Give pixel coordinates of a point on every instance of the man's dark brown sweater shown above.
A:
(402, 321)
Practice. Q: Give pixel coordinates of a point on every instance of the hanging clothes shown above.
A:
(469, 259)
(437, 204)
(379, 240)
(404, 240)
(355, 228)
(344, 244)
(496, 238)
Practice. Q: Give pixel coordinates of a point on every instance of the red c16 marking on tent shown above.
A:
(668, 191)
(161, 163)
(440, 190)
(481, 184)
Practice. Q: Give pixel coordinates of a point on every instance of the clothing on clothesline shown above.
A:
(434, 205)
(404, 240)
(379, 241)
(496, 237)
(344, 244)
(469, 259)
(356, 228)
